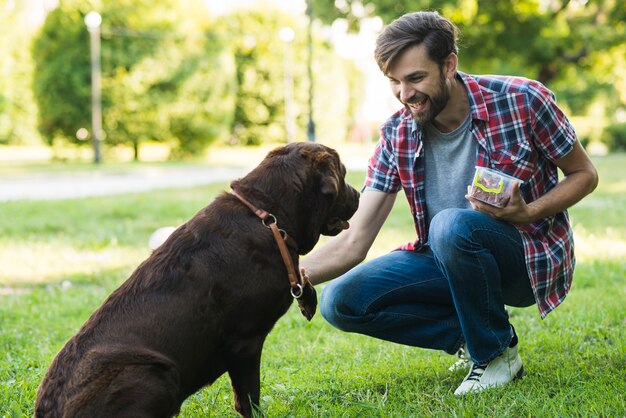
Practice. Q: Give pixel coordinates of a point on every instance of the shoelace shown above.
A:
(477, 372)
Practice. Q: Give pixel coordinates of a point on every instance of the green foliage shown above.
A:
(17, 108)
(262, 61)
(540, 39)
(62, 74)
(203, 110)
(173, 74)
(170, 78)
(575, 48)
(614, 136)
(165, 75)
(181, 78)
(259, 54)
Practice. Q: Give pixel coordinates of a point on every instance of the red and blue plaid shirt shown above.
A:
(520, 131)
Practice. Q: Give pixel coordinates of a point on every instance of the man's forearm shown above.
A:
(566, 194)
(350, 247)
(331, 260)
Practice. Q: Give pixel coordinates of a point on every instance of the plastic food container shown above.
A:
(492, 187)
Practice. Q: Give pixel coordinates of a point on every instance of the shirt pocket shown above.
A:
(517, 160)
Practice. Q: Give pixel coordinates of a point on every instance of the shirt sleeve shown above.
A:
(553, 134)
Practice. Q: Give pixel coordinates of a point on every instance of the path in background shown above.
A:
(224, 165)
(51, 186)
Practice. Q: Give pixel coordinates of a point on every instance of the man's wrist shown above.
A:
(533, 212)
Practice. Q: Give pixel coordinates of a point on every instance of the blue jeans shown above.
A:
(453, 291)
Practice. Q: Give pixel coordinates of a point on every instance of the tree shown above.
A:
(62, 75)
(260, 61)
(545, 37)
(576, 48)
(165, 75)
(257, 50)
(17, 107)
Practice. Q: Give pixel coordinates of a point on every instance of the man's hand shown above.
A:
(515, 209)
(580, 179)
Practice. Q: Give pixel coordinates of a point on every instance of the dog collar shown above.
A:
(296, 280)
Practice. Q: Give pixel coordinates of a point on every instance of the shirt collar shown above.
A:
(478, 108)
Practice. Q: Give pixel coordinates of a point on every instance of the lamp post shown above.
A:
(311, 125)
(286, 35)
(93, 21)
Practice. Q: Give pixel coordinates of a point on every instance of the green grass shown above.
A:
(60, 259)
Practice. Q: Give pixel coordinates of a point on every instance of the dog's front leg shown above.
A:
(245, 376)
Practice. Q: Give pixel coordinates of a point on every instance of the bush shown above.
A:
(614, 137)
(165, 75)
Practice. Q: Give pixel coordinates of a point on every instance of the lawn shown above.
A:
(60, 259)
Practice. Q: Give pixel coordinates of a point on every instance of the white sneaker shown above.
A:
(501, 370)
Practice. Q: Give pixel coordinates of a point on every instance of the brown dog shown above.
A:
(204, 301)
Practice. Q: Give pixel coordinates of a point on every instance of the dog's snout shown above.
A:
(349, 203)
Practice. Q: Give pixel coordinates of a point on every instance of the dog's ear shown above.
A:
(327, 166)
(330, 183)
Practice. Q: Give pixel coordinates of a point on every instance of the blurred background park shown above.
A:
(178, 78)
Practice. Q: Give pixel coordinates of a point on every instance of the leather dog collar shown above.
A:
(296, 280)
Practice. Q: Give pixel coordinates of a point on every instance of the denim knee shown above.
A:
(327, 304)
(449, 227)
(332, 305)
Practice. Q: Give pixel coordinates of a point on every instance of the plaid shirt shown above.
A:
(520, 131)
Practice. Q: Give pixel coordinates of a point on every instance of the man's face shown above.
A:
(419, 83)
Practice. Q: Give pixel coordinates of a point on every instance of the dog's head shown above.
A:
(307, 183)
(326, 201)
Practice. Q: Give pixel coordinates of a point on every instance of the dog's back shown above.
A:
(167, 320)
(121, 349)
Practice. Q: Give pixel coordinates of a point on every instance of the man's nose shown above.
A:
(406, 92)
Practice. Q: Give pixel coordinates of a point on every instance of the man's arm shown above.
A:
(350, 247)
(581, 178)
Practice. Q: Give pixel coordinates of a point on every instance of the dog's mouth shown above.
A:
(347, 205)
(335, 226)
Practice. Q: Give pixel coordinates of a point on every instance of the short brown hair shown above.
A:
(435, 31)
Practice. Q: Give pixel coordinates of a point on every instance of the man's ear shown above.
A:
(450, 65)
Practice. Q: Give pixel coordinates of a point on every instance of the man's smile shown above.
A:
(417, 106)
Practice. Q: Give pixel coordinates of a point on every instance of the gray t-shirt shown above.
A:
(449, 162)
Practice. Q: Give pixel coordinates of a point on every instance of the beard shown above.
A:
(437, 102)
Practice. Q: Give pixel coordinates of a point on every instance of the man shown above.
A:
(448, 289)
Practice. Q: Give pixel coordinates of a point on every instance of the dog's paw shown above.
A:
(308, 301)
